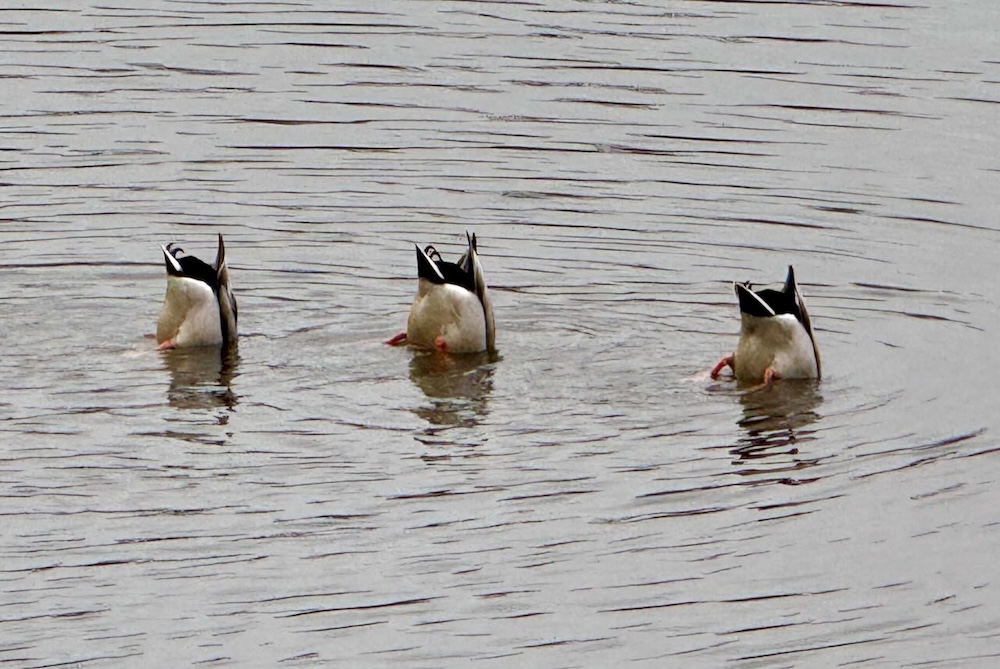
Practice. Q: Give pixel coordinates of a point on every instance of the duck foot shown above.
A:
(167, 345)
(722, 364)
(770, 376)
(398, 340)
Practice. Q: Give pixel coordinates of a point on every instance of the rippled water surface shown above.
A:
(587, 496)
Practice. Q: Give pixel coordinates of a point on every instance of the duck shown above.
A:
(452, 311)
(199, 308)
(776, 336)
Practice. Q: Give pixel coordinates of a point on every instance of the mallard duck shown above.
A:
(199, 308)
(776, 336)
(452, 311)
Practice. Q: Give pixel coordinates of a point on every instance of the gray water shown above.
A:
(587, 497)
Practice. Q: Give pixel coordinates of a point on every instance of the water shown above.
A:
(585, 497)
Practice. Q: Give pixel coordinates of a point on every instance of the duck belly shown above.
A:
(190, 314)
(780, 342)
(447, 313)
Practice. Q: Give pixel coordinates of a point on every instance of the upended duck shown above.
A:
(199, 308)
(452, 311)
(776, 336)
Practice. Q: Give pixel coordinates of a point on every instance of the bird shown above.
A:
(776, 336)
(199, 308)
(452, 311)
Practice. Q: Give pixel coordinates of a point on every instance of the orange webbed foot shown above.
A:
(722, 364)
(398, 340)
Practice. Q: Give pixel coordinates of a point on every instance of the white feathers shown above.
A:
(199, 308)
(446, 316)
(190, 314)
(780, 342)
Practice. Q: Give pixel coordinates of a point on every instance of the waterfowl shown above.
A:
(776, 336)
(452, 310)
(199, 308)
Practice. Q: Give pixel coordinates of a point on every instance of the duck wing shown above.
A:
(474, 269)
(228, 310)
(791, 291)
(752, 303)
(427, 268)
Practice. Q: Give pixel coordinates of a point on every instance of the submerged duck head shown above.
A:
(199, 308)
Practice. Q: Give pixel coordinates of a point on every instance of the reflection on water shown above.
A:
(200, 377)
(777, 420)
(458, 387)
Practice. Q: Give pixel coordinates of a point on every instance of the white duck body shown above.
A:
(776, 333)
(199, 308)
(779, 342)
(190, 314)
(452, 310)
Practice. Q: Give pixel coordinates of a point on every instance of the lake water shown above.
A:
(586, 497)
